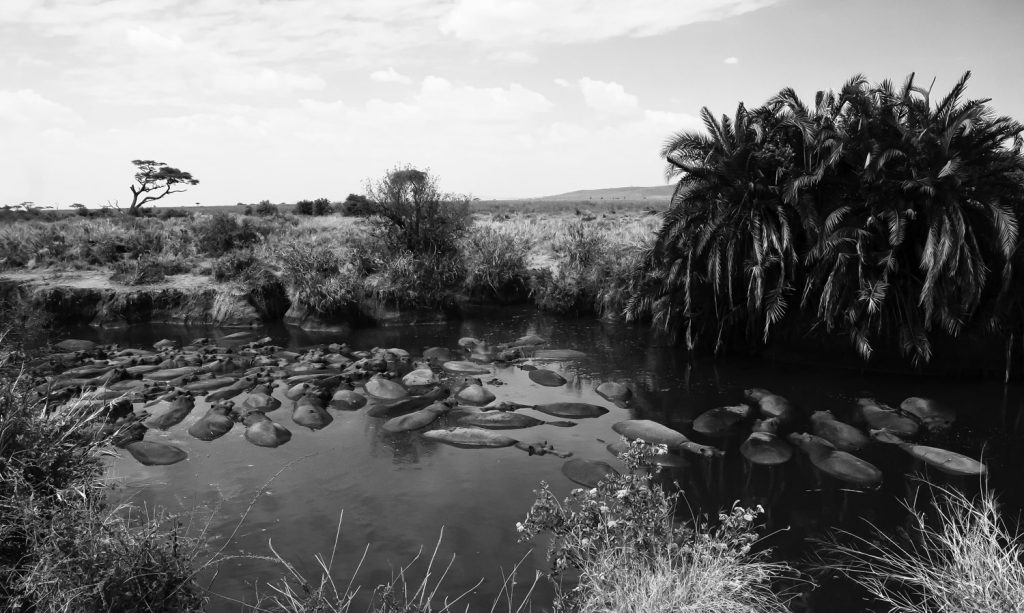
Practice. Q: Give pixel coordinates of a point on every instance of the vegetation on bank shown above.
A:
(883, 212)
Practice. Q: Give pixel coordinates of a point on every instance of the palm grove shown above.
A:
(883, 213)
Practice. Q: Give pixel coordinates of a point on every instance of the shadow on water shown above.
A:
(399, 490)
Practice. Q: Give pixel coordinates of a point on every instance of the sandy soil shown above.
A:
(100, 279)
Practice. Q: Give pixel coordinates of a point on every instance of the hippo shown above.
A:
(217, 422)
(571, 410)
(843, 437)
(74, 344)
(658, 434)
(547, 378)
(236, 388)
(721, 421)
(766, 449)
(772, 405)
(152, 453)
(262, 432)
(558, 354)
(947, 461)
(933, 415)
(506, 420)
(309, 412)
(841, 465)
(588, 473)
(169, 374)
(417, 419)
(475, 394)
(209, 384)
(881, 416)
(180, 407)
(261, 399)
(479, 437)
(457, 367)
(408, 405)
(384, 389)
(347, 400)
(419, 378)
(439, 354)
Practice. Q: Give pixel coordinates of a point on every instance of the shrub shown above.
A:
(142, 271)
(631, 556)
(321, 206)
(356, 205)
(318, 278)
(221, 233)
(266, 209)
(304, 207)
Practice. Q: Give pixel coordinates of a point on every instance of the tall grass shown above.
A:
(960, 558)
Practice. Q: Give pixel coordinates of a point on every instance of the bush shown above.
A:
(495, 262)
(142, 271)
(304, 207)
(356, 206)
(318, 278)
(322, 206)
(221, 233)
(631, 556)
(266, 209)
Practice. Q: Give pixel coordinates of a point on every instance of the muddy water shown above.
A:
(400, 493)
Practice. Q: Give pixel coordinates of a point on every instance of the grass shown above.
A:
(960, 557)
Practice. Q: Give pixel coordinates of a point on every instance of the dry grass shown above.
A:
(962, 559)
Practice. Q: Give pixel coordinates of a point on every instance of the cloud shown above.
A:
(576, 21)
(28, 109)
(562, 82)
(389, 76)
(732, 60)
(607, 97)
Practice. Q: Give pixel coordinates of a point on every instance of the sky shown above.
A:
(291, 99)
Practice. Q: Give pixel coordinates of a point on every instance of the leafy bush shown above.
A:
(266, 209)
(356, 205)
(320, 279)
(142, 271)
(322, 206)
(631, 556)
(221, 233)
(304, 207)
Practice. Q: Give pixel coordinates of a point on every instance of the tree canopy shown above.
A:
(156, 180)
(880, 211)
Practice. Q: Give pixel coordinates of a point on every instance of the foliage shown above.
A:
(495, 261)
(142, 271)
(356, 205)
(416, 214)
(320, 206)
(266, 209)
(320, 279)
(156, 180)
(631, 556)
(963, 558)
(221, 233)
(881, 214)
(61, 549)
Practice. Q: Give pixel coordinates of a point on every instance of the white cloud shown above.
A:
(732, 60)
(389, 76)
(574, 21)
(28, 109)
(607, 97)
(517, 56)
(562, 82)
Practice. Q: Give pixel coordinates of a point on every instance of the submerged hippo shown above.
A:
(417, 419)
(947, 461)
(547, 378)
(261, 399)
(588, 473)
(478, 437)
(217, 422)
(309, 412)
(178, 411)
(933, 415)
(262, 432)
(347, 400)
(772, 405)
(766, 449)
(571, 410)
(151, 453)
(465, 368)
(506, 420)
(382, 388)
(558, 354)
(721, 421)
(475, 394)
(658, 434)
(882, 416)
(841, 465)
(843, 436)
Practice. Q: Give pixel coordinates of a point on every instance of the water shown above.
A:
(400, 493)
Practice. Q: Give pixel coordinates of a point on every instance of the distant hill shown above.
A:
(656, 193)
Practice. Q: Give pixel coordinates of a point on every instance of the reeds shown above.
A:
(960, 558)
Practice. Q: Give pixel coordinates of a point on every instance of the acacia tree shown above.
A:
(156, 180)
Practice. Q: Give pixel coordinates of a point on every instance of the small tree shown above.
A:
(321, 206)
(356, 205)
(304, 207)
(425, 220)
(156, 180)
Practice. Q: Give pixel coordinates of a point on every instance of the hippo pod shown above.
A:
(947, 461)
(547, 378)
(881, 416)
(588, 473)
(262, 432)
(497, 419)
(843, 436)
(309, 412)
(217, 422)
(180, 407)
(658, 434)
(841, 465)
(479, 437)
(417, 419)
